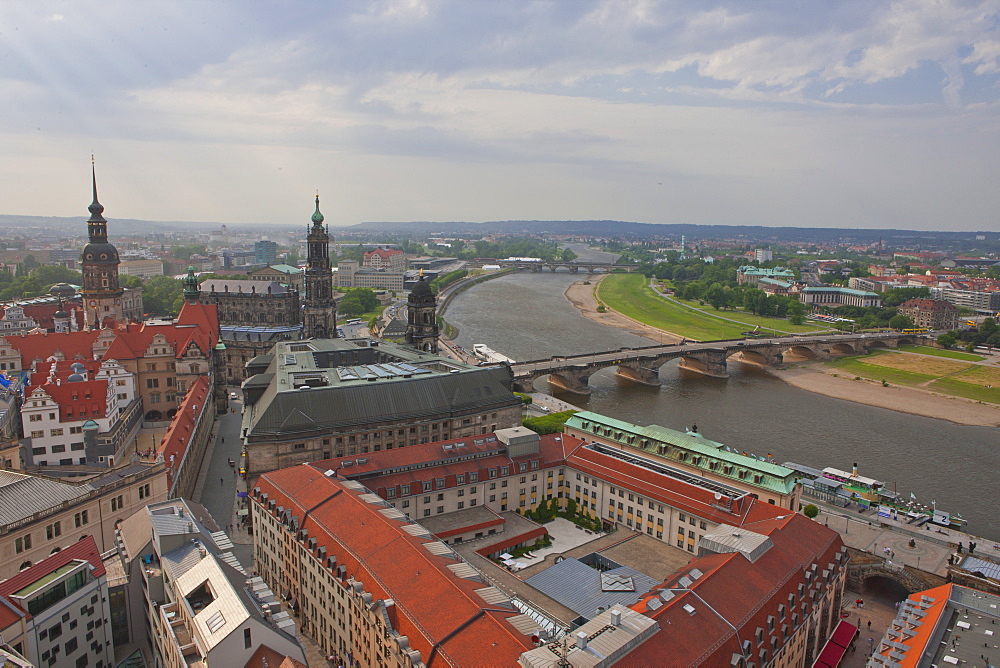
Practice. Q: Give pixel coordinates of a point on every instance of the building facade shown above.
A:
(40, 516)
(385, 258)
(696, 454)
(244, 303)
(364, 398)
(64, 602)
(981, 301)
(751, 275)
(833, 297)
(319, 312)
(769, 596)
(930, 313)
(189, 601)
(279, 273)
(265, 252)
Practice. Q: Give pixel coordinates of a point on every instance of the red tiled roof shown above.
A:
(929, 305)
(73, 345)
(923, 633)
(439, 611)
(744, 593)
(83, 399)
(9, 616)
(85, 549)
(383, 252)
(178, 436)
(265, 657)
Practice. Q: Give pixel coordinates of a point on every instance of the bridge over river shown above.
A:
(642, 365)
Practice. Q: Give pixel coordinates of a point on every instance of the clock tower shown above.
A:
(102, 296)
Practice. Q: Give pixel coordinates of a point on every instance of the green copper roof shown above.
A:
(776, 478)
(317, 217)
(191, 288)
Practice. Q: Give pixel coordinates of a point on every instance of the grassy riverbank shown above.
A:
(946, 376)
(630, 295)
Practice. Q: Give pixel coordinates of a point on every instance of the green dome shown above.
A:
(317, 217)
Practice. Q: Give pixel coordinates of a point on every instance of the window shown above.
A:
(38, 434)
(79, 519)
(246, 639)
(144, 491)
(152, 382)
(53, 530)
(76, 430)
(58, 448)
(35, 418)
(23, 543)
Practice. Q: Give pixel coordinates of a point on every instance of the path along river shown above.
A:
(526, 316)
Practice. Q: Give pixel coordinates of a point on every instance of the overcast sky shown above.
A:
(817, 114)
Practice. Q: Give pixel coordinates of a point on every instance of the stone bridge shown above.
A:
(864, 566)
(711, 358)
(572, 267)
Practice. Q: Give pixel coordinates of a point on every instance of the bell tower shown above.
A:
(102, 296)
(319, 312)
(421, 317)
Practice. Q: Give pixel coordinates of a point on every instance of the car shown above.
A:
(232, 395)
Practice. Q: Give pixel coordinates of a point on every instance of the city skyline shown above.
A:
(855, 115)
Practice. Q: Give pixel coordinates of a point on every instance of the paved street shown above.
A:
(217, 485)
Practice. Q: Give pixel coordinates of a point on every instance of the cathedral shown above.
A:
(319, 312)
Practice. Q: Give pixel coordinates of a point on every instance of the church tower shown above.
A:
(421, 317)
(319, 312)
(102, 296)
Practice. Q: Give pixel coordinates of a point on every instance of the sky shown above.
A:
(848, 113)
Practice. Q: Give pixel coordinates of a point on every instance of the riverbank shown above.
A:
(816, 377)
(583, 298)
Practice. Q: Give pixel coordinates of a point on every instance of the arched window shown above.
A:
(26, 564)
(54, 550)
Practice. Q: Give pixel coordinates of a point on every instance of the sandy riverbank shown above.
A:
(814, 376)
(582, 297)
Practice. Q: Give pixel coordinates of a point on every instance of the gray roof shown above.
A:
(21, 498)
(437, 387)
(989, 569)
(579, 587)
(235, 287)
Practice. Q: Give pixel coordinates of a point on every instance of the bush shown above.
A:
(525, 398)
(810, 511)
(548, 424)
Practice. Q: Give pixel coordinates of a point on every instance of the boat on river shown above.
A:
(487, 354)
(844, 488)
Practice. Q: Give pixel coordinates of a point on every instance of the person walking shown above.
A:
(221, 481)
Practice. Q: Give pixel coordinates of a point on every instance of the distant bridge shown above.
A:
(642, 365)
(573, 267)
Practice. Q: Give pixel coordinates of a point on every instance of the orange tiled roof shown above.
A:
(85, 549)
(178, 436)
(73, 345)
(437, 610)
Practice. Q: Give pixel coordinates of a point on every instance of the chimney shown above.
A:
(616, 618)
(581, 640)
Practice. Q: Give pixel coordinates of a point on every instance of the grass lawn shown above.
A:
(779, 325)
(855, 367)
(938, 352)
(933, 366)
(630, 295)
(956, 387)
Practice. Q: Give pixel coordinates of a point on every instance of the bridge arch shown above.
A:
(803, 351)
(750, 355)
(842, 348)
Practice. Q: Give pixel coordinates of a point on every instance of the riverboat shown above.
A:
(842, 487)
(487, 354)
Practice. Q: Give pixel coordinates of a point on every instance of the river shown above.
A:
(526, 316)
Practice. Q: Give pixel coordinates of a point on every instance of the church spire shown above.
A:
(317, 217)
(97, 226)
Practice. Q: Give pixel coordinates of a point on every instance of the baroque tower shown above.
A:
(319, 313)
(421, 317)
(102, 296)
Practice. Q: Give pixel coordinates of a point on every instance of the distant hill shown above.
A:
(76, 227)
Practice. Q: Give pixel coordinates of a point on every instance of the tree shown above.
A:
(797, 313)
(185, 251)
(717, 296)
(351, 305)
(810, 511)
(162, 295)
(365, 296)
(900, 321)
(947, 340)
